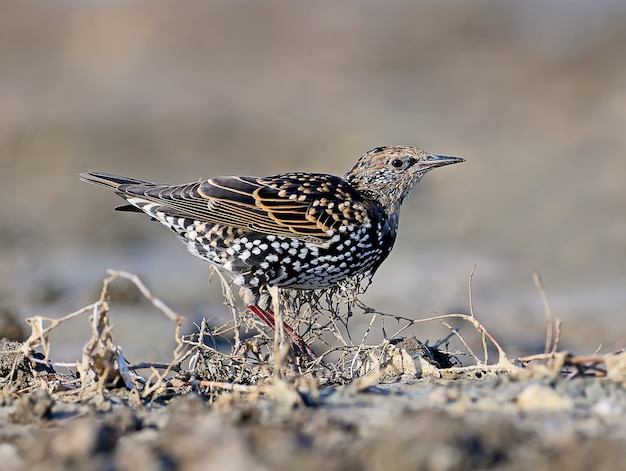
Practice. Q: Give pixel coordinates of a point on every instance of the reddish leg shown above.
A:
(267, 316)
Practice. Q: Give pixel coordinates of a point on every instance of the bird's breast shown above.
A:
(255, 259)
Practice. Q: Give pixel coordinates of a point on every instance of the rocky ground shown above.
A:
(397, 406)
(494, 423)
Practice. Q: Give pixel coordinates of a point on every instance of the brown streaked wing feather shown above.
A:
(272, 205)
(262, 205)
(309, 204)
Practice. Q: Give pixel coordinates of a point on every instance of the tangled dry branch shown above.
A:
(256, 365)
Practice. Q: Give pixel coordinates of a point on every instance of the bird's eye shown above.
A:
(397, 163)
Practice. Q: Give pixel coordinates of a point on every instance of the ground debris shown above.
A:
(261, 406)
(20, 371)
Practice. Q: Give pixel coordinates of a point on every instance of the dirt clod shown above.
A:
(33, 408)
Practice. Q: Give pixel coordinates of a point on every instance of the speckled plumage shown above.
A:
(292, 230)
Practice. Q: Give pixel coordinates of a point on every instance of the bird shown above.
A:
(296, 230)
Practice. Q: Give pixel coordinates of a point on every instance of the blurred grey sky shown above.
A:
(532, 94)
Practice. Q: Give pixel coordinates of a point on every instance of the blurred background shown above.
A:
(532, 94)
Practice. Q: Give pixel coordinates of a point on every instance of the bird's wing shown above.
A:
(302, 205)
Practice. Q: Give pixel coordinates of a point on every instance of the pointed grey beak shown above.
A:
(431, 161)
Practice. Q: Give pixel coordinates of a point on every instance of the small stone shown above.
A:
(616, 367)
(542, 398)
(83, 438)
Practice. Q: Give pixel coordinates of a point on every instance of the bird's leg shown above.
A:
(267, 316)
(258, 301)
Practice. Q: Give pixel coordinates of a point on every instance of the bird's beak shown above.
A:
(431, 161)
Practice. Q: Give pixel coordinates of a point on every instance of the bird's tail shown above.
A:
(109, 180)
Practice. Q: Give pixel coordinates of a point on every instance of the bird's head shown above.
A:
(388, 174)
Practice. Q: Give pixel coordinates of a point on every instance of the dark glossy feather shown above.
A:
(293, 204)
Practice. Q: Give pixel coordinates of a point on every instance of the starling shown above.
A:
(294, 230)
